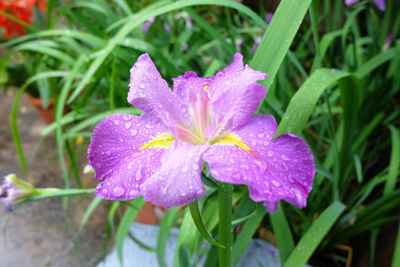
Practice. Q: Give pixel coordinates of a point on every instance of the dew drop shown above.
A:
(116, 122)
(184, 168)
(133, 132)
(284, 157)
(128, 125)
(126, 117)
(254, 142)
(132, 192)
(260, 135)
(275, 183)
(118, 191)
(149, 126)
(138, 174)
(141, 85)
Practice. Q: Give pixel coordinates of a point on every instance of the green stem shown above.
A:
(225, 224)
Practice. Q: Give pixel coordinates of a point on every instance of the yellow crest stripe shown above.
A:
(231, 139)
(160, 141)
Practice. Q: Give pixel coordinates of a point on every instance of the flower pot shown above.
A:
(46, 114)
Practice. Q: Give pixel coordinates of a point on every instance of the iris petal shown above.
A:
(273, 170)
(150, 93)
(235, 94)
(289, 175)
(116, 156)
(178, 181)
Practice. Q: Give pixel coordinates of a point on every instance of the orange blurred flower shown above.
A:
(21, 9)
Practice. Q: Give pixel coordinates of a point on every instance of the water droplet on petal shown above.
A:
(116, 122)
(118, 191)
(141, 85)
(149, 126)
(138, 174)
(260, 135)
(133, 132)
(128, 125)
(126, 117)
(284, 157)
(184, 168)
(275, 183)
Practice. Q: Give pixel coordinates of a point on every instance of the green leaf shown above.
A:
(396, 252)
(314, 235)
(278, 38)
(198, 221)
(245, 235)
(394, 162)
(135, 20)
(14, 112)
(95, 202)
(123, 227)
(166, 224)
(303, 102)
(282, 232)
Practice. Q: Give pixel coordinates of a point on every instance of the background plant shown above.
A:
(333, 79)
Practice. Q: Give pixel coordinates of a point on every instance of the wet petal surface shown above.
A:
(289, 174)
(238, 160)
(116, 156)
(235, 94)
(150, 93)
(178, 181)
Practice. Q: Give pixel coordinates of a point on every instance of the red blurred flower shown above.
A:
(21, 9)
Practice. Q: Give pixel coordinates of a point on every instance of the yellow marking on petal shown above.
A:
(205, 88)
(231, 139)
(160, 141)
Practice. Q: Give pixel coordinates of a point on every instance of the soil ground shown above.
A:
(42, 233)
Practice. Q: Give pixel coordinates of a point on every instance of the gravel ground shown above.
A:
(42, 233)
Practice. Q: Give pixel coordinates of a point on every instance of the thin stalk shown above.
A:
(225, 224)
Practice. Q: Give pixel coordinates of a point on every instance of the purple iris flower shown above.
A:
(14, 190)
(268, 18)
(160, 153)
(388, 41)
(147, 24)
(380, 4)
